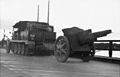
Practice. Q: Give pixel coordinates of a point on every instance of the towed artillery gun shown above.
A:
(76, 41)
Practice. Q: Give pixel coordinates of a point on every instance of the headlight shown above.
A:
(49, 29)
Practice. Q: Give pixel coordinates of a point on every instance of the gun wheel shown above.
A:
(62, 49)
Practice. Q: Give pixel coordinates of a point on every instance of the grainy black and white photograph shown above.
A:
(59, 38)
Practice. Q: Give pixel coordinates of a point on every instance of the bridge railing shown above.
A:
(110, 45)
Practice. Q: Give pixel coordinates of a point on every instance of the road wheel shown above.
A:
(15, 49)
(26, 53)
(8, 48)
(22, 49)
(62, 49)
(18, 49)
(12, 47)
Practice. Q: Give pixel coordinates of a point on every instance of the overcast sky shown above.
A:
(95, 14)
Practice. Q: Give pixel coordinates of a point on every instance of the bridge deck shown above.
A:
(47, 66)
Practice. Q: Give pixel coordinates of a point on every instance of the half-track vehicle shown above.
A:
(78, 42)
(32, 38)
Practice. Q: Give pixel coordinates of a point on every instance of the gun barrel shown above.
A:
(101, 33)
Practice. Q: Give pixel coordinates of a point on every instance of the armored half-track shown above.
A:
(32, 38)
